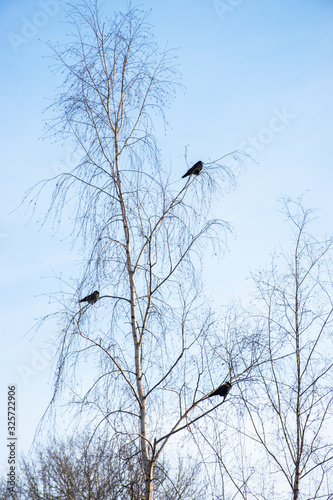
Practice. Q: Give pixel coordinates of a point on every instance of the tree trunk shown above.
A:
(298, 394)
(149, 485)
(148, 468)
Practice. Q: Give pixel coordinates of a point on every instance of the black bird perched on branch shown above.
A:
(92, 298)
(196, 169)
(223, 390)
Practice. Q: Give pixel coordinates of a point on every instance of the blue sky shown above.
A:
(258, 75)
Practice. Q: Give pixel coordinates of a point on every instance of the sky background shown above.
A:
(257, 76)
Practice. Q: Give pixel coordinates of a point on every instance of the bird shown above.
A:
(223, 390)
(92, 298)
(196, 169)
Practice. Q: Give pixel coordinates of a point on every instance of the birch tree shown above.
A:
(144, 345)
(289, 408)
(276, 439)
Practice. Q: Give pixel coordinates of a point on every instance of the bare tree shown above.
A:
(289, 407)
(150, 327)
(276, 439)
(79, 469)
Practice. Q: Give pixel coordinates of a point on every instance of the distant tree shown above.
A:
(290, 407)
(148, 337)
(283, 440)
(79, 469)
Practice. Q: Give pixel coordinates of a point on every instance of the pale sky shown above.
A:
(258, 76)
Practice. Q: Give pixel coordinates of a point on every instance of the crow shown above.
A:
(92, 298)
(223, 390)
(196, 169)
